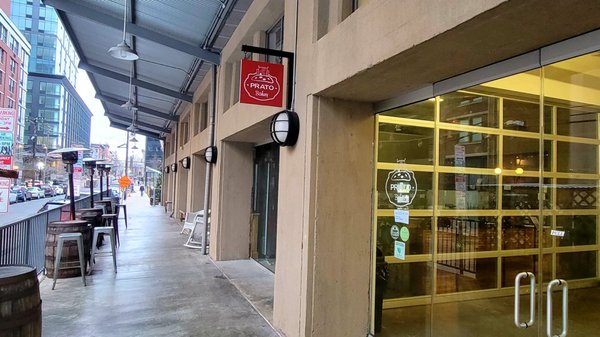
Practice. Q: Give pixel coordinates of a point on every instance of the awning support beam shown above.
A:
(127, 119)
(124, 127)
(147, 111)
(142, 84)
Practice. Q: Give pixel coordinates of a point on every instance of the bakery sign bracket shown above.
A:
(261, 93)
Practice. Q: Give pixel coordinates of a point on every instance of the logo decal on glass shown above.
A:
(401, 187)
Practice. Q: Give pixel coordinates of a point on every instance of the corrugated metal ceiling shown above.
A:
(176, 41)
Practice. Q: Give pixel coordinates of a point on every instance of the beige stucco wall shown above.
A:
(384, 49)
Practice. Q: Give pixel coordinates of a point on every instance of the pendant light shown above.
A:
(123, 51)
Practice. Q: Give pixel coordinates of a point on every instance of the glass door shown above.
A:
(571, 291)
(264, 205)
(489, 215)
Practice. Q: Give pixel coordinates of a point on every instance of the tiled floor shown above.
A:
(161, 289)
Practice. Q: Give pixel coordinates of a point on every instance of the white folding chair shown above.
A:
(188, 223)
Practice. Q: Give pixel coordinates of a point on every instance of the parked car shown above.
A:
(58, 189)
(37, 192)
(24, 190)
(21, 194)
(12, 196)
(48, 190)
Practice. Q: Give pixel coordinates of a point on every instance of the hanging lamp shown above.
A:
(123, 51)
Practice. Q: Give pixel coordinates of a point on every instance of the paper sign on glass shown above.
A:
(399, 250)
(401, 216)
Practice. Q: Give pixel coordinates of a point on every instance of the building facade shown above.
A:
(56, 115)
(447, 163)
(15, 51)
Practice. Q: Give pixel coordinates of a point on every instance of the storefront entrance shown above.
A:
(489, 187)
(263, 232)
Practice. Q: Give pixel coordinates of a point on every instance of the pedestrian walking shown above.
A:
(141, 190)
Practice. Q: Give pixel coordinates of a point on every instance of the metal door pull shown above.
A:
(518, 323)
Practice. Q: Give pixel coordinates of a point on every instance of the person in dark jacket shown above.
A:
(142, 191)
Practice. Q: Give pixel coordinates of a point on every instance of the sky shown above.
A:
(101, 132)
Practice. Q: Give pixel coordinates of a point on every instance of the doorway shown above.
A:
(263, 227)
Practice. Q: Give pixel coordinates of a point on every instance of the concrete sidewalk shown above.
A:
(161, 289)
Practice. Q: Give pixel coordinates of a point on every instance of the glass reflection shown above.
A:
(467, 191)
(469, 109)
(409, 144)
(468, 149)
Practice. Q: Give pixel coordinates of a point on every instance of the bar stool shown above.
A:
(111, 220)
(110, 231)
(124, 207)
(61, 240)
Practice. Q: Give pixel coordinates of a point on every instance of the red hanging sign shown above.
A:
(261, 83)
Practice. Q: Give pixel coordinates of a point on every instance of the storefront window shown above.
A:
(478, 185)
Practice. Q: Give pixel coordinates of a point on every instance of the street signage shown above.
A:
(261, 83)
(7, 120)
(125, 181)
(4, 194)
(6, 162)
(7, 126)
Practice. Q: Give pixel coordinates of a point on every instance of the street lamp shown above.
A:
(40, 166)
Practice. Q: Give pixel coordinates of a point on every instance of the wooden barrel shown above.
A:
(70, 254)
(91, 215)
(94, 217)
(20, 304)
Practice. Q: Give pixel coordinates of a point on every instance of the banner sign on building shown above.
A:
(7, 120)
(7, 126)
(261, 83)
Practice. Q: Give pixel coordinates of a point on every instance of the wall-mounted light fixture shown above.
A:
(285, 127)
(174, 167)
(210, 154)
(185, 162)
(167, 170)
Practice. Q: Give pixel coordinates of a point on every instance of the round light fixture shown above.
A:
(174, 167)
(285, 126)
(185, 162)
(210, 154)
(167, 169)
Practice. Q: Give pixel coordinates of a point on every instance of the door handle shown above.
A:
(518, 323)
(565, 307)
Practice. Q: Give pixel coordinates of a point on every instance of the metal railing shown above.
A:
(23, 241)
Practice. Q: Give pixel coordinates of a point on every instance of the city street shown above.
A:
(25, 209)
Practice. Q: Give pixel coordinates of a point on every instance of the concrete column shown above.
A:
(232, 192)
(325, 223)
(198, 175)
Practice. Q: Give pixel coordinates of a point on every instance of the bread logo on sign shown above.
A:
(401, 187)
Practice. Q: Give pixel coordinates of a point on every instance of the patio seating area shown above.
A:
(161, 288)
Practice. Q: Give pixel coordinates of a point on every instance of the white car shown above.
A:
(58, 189)
(12, 196)
(36, 192)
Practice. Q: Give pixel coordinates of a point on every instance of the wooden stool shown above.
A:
(118, 210)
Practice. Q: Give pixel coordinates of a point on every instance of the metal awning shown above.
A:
(177, 43)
